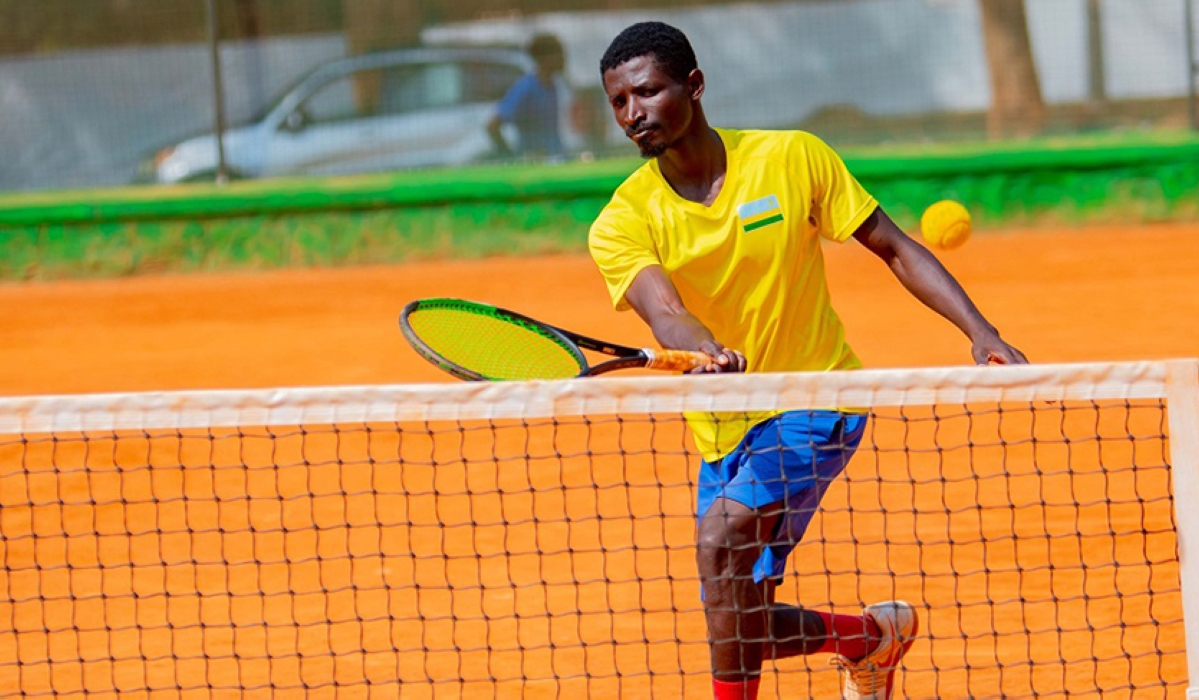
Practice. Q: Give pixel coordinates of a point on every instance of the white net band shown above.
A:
(607, 396)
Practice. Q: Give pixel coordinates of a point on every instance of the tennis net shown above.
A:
(537, 539)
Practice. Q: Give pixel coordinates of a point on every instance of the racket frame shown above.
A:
(574, 343)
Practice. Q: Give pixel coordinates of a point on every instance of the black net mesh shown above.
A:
(556, 557)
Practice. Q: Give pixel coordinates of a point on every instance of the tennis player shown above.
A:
(715, 243)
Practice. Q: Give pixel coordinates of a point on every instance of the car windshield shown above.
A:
(270, 105)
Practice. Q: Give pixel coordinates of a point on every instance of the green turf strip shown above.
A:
(537, 209)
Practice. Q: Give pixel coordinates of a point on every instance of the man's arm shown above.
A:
(505, 113)
(657, 302)
(923, 275)
(497, 136)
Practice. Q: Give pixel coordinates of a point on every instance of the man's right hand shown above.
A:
(657, 302)
(723, 359)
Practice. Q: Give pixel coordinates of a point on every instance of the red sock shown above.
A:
(851, 636)
(735, 690)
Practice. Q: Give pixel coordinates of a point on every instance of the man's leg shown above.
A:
(795, 631)
(729, 541)
(745, 625)
(867, 648)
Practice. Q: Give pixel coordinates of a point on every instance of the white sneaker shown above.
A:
(873, 677)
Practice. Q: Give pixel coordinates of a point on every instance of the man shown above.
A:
(715, 243)
(532, 105)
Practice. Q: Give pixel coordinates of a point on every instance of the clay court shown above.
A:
(1074, 295)
(334, 602)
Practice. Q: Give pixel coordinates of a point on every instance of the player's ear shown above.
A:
(695, 84)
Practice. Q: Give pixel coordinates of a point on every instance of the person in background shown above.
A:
(531, 104)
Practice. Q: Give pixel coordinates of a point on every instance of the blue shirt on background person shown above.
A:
(533, 107)
(531, 104)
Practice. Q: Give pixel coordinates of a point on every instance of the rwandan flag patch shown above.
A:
(760, 213)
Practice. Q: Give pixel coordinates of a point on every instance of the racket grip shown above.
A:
(675, 360)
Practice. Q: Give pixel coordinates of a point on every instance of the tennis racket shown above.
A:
(481, 342)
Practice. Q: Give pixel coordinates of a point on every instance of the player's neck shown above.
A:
(695, 166)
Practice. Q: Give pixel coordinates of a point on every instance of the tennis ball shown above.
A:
(946, 224)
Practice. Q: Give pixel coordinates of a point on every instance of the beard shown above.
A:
(650, 149)
(653, 150)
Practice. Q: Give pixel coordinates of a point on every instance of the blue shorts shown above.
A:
(789, 459)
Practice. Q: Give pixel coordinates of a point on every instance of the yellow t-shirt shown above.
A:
(749, 266)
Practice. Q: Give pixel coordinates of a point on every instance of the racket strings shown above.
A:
(497, 347)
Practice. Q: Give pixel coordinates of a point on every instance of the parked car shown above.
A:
(405, 108)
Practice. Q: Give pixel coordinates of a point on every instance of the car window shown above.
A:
(409, 88)
(386, 91)
(420, 87)
(344, 98)
(487, 82)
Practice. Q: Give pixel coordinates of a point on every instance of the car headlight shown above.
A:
(162, 156)
(149, 168)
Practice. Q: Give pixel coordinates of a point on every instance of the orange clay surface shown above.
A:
(197, 600)
(1090, 294)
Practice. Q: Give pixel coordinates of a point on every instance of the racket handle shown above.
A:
(675, 360)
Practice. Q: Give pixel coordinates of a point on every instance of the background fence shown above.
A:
(92, 90)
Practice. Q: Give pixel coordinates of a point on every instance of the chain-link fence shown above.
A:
(109, 92)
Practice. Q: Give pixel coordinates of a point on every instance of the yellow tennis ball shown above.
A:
(946, 224)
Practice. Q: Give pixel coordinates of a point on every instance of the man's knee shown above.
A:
(725, 530)
(725, 540)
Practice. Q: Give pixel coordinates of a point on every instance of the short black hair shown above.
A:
(667, 45)
(546, 46)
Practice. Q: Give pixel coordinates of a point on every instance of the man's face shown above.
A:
(652, 108)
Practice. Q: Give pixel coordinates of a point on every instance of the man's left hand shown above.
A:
(991, 349)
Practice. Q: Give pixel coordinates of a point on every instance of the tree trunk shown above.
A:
(1096, 74)
(1016, 105)
(246, 19)
(374, 25)
(248, 27)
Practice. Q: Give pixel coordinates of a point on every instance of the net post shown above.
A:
(1182, 406)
